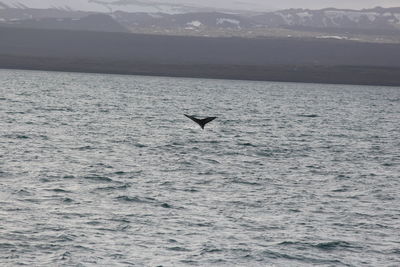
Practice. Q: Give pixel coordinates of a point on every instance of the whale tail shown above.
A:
(201, 122)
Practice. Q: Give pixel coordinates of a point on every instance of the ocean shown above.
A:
(104, 170)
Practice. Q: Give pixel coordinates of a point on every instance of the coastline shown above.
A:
(262, 59)
(353, 75)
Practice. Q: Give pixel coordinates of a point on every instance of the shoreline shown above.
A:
(352, 75)
(264, 59)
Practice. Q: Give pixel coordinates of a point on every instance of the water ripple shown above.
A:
(104, 170)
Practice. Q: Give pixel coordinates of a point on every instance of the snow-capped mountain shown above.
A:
(108, 6)
(377, 18)
(186, 21)
(135, 14)
(93, 22)
(77, 5)
(372, 19)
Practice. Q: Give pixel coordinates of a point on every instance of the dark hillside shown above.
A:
(241, 58)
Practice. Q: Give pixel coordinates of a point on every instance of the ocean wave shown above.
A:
(98, 178)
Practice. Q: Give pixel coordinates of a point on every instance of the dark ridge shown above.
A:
(4, 5)
(269, 59)
(158, 49)
(343, 30)
(283, 73)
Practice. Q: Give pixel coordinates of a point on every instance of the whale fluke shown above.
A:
(201, 122)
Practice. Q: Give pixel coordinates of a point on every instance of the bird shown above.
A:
(201, 122)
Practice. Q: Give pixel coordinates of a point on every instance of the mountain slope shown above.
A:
(98, 5)
(327, 61)
(375, 21)
(377, 18)
(186, 20)
(92, 22)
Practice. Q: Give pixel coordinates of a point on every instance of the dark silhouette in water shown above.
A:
(201, 122)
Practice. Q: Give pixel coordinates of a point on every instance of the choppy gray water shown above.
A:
(104, 170)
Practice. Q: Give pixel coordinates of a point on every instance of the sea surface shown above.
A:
(104, 170)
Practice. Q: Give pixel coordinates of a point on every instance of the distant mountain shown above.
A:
(14, 14)
(104, 6)
(359, 21)
(92, 22)
(368, 21)
(377, 18)
(187, 20)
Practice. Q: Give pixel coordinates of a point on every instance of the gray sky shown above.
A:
(281, 4)
(254, 5)
(316, 4)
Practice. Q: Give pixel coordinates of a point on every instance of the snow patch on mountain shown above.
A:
(332, 37)
(304, 15)
(286, 17)
(355, 16)
(230, 21)
(194, 23)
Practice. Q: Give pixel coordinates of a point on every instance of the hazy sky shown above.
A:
(279, 4)
(274, 4)
(255, 5)
(357, 4)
